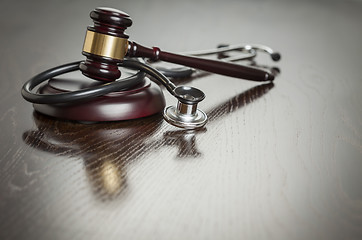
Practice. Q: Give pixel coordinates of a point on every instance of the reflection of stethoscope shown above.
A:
(106, 163)
(107, 48)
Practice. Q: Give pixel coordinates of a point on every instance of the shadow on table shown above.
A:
(108, 148)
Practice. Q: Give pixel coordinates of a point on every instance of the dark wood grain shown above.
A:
(275, 161)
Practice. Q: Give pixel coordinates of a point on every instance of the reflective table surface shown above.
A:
(279, 160)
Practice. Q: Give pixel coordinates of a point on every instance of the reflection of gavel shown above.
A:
(106, 45)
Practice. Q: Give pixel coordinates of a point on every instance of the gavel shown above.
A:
(106, 45)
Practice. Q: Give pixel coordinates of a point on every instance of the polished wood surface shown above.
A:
(275, 161)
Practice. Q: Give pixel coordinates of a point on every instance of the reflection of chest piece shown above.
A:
(186, 114)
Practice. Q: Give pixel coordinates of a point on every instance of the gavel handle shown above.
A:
(214, 66)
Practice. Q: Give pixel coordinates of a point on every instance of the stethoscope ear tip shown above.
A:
(275, 56)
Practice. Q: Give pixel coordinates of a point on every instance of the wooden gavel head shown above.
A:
(105, 44)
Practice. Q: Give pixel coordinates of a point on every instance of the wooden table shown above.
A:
(275, 161)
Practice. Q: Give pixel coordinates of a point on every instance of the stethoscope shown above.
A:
(102, 49)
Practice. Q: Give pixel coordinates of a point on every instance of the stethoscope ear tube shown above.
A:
(180, 72)
(83, 94)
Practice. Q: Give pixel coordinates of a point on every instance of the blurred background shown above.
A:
(286, 166)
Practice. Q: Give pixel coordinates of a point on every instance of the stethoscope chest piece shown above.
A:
(186, 114)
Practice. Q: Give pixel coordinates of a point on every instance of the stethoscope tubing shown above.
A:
(83, 94)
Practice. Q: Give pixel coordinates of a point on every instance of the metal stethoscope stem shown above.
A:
(186, 114)
(244, 52)
(252, 49)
